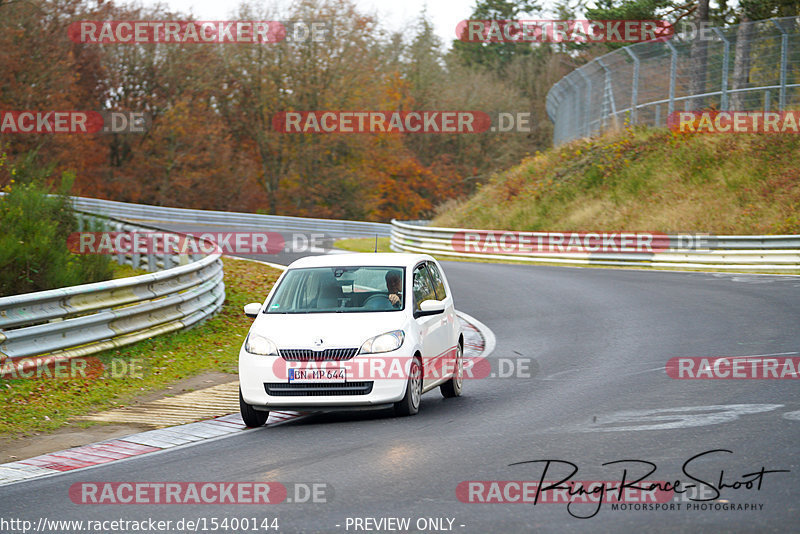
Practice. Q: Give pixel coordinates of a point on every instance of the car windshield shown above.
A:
(339, 289)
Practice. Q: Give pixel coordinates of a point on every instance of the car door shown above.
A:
(450, 323)
(432, 328)
(443, 293)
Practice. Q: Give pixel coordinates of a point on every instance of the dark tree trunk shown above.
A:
(697, 84)
(741, 64)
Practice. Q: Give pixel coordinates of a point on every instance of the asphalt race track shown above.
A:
(599, 340)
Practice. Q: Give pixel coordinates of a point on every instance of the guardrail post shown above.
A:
(152, 262)
(635, 86)
(136, 257)
(726, 55)
(121, 259)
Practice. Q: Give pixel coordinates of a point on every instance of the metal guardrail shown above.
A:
(766, 253)
(60, 324)
(749, 67)
(253, 221)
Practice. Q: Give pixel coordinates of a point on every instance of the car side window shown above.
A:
(438, 281)
(423, 288)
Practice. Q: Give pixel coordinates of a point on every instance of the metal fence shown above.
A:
(749, 67)
(64, 323)
(752, 253)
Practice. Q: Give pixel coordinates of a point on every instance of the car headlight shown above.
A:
(383, 343)
(258, 344)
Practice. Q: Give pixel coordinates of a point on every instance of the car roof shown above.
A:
(388, 259)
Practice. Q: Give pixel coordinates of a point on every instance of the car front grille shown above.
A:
(309, 355)
(282, 389)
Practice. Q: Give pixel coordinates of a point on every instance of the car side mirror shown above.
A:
(252, 309)
(429, 307)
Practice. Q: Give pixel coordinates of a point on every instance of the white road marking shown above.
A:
(672, 418)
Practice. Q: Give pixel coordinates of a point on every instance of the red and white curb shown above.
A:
(478, 341)
(129, 446)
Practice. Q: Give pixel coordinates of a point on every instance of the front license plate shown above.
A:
(304, 375)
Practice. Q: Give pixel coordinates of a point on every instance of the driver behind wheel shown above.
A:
(394, 285)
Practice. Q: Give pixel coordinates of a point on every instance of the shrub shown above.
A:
(33, 241)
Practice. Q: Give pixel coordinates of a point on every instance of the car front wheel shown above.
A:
(409, 405)
(251, 416)
(452, 388)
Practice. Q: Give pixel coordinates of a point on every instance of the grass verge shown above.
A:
(124, 271)
(364, 244)
(48, 403)
(644, 180)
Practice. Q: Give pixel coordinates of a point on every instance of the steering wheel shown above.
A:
(378, 302)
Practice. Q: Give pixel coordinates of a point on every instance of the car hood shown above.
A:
(336, 330)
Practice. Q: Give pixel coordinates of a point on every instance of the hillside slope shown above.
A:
(645, 180)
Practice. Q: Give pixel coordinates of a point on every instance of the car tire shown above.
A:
(409, 405)
(452, 388)
(251, 417)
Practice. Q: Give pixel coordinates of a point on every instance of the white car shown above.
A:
(351, 331)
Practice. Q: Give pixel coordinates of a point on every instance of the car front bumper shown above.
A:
(260, 374)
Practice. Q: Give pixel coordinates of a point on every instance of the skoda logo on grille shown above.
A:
(318, 342)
